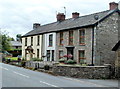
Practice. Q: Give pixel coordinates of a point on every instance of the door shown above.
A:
(70, 50)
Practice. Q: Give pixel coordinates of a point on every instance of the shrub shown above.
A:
(46, 67)
(71, 61)
(36, 59)
(61, 60)
(23, 63)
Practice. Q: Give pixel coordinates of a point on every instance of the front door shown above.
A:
(70, 50)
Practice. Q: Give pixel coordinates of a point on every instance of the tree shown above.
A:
(18, 37)
(4, 42)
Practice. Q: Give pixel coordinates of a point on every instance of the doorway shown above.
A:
(70, 50)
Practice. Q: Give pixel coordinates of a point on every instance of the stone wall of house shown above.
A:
(87, 47)
(106, 38)
(91, 72)
(117, 64)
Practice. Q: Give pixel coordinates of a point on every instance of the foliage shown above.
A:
(36, 59)
(61, 60)
(46, 67)
(15, 49)
(12, 58)
(71, 61)
(4, 43)
(18, 37)
(82, 61)
(23, 63)
(23, 59)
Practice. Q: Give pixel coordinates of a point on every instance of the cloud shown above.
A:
(17, 16)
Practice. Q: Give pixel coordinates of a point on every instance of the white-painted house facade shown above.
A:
(49, 46)
(32, 45)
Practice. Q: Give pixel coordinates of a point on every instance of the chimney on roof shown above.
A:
(75, 15)
(113, 5)
(35, 26)
(60, 17)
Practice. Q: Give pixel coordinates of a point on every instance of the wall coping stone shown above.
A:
(79, 66)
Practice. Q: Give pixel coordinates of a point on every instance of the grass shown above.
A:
(12, 58)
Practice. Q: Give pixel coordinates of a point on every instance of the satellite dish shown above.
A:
(96, 17)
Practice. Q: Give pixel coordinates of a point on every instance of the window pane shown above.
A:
(82, 56)
(82, 36)
(38, 39)
(61, 38)
(25, 41)
(60, 53)
(48, 55)
(52, 55)
(31, 40)
(37, 53)
(50, 40)
(70, 37)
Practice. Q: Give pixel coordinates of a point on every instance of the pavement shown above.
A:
(13, 76)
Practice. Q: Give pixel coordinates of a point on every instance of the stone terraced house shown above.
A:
(89, 39)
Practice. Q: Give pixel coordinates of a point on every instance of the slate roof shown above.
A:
(82, 21)
(15, 43)
(116, 46)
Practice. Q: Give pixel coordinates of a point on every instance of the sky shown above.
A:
(18, 16)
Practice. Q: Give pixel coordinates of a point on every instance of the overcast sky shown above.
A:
(18, 16)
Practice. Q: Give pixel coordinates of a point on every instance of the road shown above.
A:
(13, 76)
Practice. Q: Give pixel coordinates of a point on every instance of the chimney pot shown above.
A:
(60, 17)
(75, 15)
(113, 5)
(36, 25)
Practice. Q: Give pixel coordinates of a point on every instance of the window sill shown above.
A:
(82, 44)
(61, 45)
(50, 46)
(82, 58)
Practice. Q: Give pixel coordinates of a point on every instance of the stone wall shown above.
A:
(117, 64)
(38, 65)
(91, 72)
(106, 38)
(87, 47)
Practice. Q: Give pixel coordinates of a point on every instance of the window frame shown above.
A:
(47, 55)
(31, 41)
(62, 53)
(51, 40)
(26, 41)
(81, 58)
(71, 37)
(81, 37)
(38, 40)
(38, 53)
(61, 38)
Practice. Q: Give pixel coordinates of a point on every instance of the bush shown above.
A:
(61, 60)
(71, 61)
(8, 60)
(46, 67)
(23, 63)
(36, 59)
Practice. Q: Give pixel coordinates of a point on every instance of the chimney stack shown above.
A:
(113, 5)
(75, 15)
(35, 26)
(60, 17)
